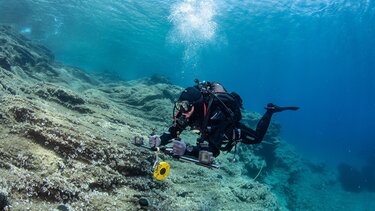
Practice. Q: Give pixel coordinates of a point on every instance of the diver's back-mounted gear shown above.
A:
(221, 105)
(215, 94)
(209, 87)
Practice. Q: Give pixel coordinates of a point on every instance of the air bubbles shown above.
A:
(193, 22)
(194, 27)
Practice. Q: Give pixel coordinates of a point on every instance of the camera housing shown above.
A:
(206, 157)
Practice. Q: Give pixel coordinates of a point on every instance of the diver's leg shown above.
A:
(247, 135)
(263, 125)
(274, 108)
(250, 136)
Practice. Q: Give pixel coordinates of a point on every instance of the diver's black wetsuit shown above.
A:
(220, 131)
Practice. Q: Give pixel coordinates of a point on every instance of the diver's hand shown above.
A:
(179, 147)
(182, 121)
(154, 141)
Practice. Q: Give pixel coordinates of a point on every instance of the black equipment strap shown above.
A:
(205, 121)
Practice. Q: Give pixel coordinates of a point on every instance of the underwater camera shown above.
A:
(206, 157)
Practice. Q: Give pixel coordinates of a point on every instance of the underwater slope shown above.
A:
(65, 137)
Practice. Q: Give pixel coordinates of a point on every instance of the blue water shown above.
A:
(317, 54)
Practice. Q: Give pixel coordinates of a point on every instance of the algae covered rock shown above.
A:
(16, 50)
(3, 201)
(66, 138)
(62, 96)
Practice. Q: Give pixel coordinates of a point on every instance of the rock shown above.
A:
(62, 96)
(3, 201)
(156, 78)
(4, 63)
(143, 202)
(62, 208)
(22, 114)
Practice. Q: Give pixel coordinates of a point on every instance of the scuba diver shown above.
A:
(215, 113)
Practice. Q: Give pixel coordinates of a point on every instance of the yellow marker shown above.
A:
(161, 171)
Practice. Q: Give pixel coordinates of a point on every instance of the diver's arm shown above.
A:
(166, 137)
(180, 124)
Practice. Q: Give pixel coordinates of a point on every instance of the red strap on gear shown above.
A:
(204, 109)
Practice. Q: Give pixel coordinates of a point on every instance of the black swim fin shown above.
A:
(274, 108)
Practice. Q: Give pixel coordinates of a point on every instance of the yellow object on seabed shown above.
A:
(161, 168)
(161, 171)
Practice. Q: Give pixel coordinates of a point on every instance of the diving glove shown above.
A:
(154, 141)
